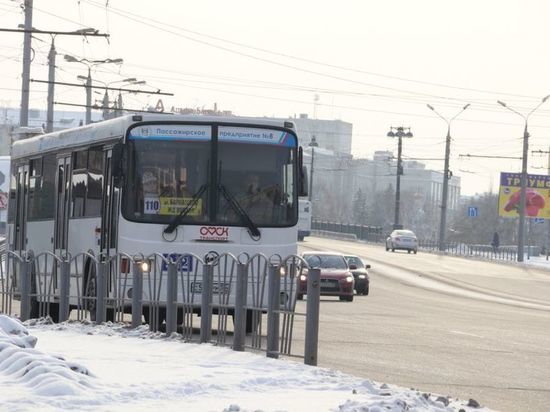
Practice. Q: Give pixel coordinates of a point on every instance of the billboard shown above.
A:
(537, 202)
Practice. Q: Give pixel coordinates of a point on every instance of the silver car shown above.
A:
(402, 240)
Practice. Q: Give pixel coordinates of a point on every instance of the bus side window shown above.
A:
(41, 188)
(79, 182)
(95, 182)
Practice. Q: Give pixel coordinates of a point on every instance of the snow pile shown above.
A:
(135, 369)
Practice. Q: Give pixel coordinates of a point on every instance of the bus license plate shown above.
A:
(217, 287)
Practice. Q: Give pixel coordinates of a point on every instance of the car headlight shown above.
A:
(349, 279)
(282, 271)
(303, 278)
(362, 276)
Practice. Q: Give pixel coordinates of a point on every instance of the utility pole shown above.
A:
(25, 77)
(51, 84)
(313, 144)
(548, 218)
(446, 177)
(89, 64)
(399, 133)
(523, 190)
(28, 31)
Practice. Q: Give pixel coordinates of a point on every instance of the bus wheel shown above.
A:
(90, 295)
(53, 312)
(154, 320)
(253, 319)
(35, 306)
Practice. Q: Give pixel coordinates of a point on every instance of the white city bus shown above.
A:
(152, 183)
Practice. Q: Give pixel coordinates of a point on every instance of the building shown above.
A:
(420, 192)
(333, 135)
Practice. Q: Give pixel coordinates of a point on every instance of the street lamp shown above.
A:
(523, 189)
(118, 104)
(90, 64)
(446, 177)
(313, 144)
(399, 133)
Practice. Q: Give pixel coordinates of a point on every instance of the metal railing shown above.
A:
(169, 292)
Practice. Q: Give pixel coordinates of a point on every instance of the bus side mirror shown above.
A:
(302, 175)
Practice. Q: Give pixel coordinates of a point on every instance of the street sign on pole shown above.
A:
(473, 211)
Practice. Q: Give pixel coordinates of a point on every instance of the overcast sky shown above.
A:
(375, 64)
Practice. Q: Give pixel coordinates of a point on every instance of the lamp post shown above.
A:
(523, 184)
(399, 133)
(446, 177)
(313, 144)
(90, 64)
(105, 102)
(119, 104)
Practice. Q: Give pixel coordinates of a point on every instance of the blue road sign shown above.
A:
(473, 211)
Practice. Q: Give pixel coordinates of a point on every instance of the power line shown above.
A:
(490, 157)
(104, 88)
(98, 107)
(135, 16)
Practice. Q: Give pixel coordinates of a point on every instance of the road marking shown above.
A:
(465, 333)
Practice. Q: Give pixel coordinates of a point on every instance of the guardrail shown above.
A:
(169, 292)
(350, 231)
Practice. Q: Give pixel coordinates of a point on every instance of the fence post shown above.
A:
(239, 323)
(274, 282)
(312, 316)
(206, 303)
(64, 287)
(137, 294)
(171, 299)
(101, 292)
(25, 279)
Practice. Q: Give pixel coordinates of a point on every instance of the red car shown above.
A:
(336, 278)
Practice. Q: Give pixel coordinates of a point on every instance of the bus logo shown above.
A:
(215, 233)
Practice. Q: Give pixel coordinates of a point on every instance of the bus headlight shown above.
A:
(145, 267)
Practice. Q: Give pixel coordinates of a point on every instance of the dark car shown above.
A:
(360, 273)
(336, 278)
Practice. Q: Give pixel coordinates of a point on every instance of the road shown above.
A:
(446, 325)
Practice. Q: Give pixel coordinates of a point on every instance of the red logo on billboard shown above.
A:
(216, 233)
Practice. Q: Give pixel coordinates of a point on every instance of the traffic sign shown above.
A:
(473, 211)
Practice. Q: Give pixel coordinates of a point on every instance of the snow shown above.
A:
(82, 366)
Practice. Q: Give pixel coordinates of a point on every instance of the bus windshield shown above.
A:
(252, 180)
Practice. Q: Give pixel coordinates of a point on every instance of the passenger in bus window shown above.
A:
(149, 184)
(256, 201)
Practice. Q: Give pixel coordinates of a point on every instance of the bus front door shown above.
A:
(62, 204)
(21, 209)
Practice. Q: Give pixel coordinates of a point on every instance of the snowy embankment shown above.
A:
(111, 367)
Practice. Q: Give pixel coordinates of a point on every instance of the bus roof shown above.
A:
(116, 128)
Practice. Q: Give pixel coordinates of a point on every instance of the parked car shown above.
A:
(402, 240)
(360, 273)
(336, 278)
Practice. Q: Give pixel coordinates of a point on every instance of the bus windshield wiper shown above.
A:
(252, 228)
(177, 220)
